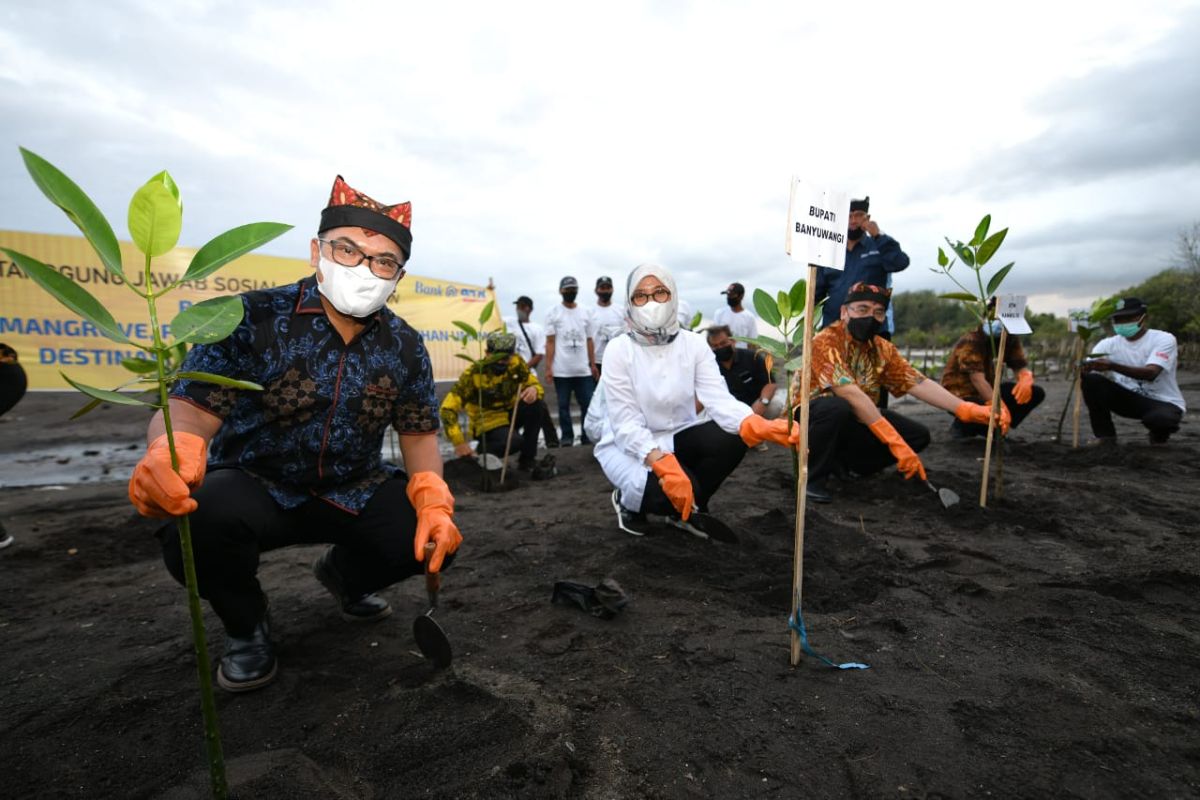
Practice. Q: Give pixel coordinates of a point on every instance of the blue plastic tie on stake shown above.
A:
(796, 623)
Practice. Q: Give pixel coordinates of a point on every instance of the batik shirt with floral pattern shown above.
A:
(839, 360)
(973, 353)
(316, 429)
(499, 391)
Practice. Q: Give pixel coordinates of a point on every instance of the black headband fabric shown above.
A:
(357, 217)
(865, 292)
(863, 205)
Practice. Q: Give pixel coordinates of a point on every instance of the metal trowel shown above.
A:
(429, 635)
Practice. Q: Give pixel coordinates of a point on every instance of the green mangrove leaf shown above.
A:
(464, 357)
(989, 247)
(695, 321)
(78, 207)
(220, 380)
(70, 294)
(965, 254)
(465, 328)
(797, 295)
(87, 408)
(231, 244)
(166, 180)
(767, 308)
(208, 321)
(795, 364)
(783, 302)
(140, 366)
(155, 218)
(997, 279)
(981, 231)
(486, 313)
(943, 259)
(966, 297)
(773, 346)
(106, 396)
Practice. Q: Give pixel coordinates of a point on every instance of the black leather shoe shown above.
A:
(363, 608)
(248, 663)
(818, 493)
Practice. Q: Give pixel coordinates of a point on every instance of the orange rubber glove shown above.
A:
(906, 460)
(755, 430)
(434, 504)
(155, 489)
(977, 413)
(675, 483)
(1023, 391)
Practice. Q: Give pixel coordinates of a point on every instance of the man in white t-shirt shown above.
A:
(741, 322)
(571, 357)
(531, 346)
(1140, 383)
(610, 319)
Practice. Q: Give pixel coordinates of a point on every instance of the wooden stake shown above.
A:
(995, 409)
(802, 483)
(512, 423)
(1078, 392)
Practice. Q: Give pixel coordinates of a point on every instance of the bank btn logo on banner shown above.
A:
(49, 338)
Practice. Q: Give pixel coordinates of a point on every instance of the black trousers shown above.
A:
(12, 385)
(547, 423)
(836, 437)
(1016, 410)
(237, 521)
(529, 422)
(708, 455)
(1105, 397)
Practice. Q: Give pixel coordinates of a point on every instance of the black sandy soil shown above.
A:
(1046, 646)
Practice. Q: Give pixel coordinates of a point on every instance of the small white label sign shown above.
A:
(817, 223)
(1011, 310)
(1077, 317)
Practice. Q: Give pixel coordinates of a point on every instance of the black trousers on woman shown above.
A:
(708, 455)
(237, 521)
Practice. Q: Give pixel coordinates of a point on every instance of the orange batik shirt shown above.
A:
(973, 353)
(839, 360)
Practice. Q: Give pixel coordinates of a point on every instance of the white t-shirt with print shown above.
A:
(536, 335)
(741, 323)
(1153, 347)
(610, 323)
(571, 328)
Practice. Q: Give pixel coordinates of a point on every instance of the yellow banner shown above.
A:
(49, 338)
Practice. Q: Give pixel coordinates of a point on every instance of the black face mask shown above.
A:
(723, 354)
(863, 329)
(733, 300)
(855, 234)
(604, 296)
(569, 295)
(498, 367)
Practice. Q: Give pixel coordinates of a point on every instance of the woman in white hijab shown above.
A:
(662, 455)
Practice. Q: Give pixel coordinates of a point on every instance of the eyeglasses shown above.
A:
(867, 310)
(348, 255)
(661, 295)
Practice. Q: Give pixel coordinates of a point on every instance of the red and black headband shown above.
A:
(350, 208)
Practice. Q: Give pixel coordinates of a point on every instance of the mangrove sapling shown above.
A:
(1086, 328)
(477, 334)
(155, 220)
(975, 254)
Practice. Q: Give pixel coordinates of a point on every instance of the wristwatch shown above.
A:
(766, 401)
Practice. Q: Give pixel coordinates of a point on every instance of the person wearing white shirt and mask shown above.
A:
(610, 319)
(1140, 384)
(531, 346)
(742, 323)
(656, 449)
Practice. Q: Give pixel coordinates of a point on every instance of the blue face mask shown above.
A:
(993, 327)
(1127, 329)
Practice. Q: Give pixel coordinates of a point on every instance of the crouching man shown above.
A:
(851, 366)
(300, 462)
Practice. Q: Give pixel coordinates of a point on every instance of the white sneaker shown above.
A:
(6, 541)
(625, 517)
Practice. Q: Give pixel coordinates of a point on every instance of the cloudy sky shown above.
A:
(537, 140)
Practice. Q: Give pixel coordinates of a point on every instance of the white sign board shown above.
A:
(817, 223)
(1077, 317)
(1011, 310)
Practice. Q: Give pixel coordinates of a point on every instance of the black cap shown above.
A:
(523, 301)
(568, 283)
(1129, 305)
(736, 288)
(863, 205)
(603, 280)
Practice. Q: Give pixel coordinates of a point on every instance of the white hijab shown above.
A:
(653, 323)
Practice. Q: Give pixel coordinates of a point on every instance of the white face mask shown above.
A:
(652, 316)
(354, 291)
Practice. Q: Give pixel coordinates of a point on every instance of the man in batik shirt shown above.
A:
(300, 461)
(971, 367)
(851, 366)
(488, 392)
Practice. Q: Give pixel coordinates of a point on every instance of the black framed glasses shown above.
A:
(661, 295)
(348, 255)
